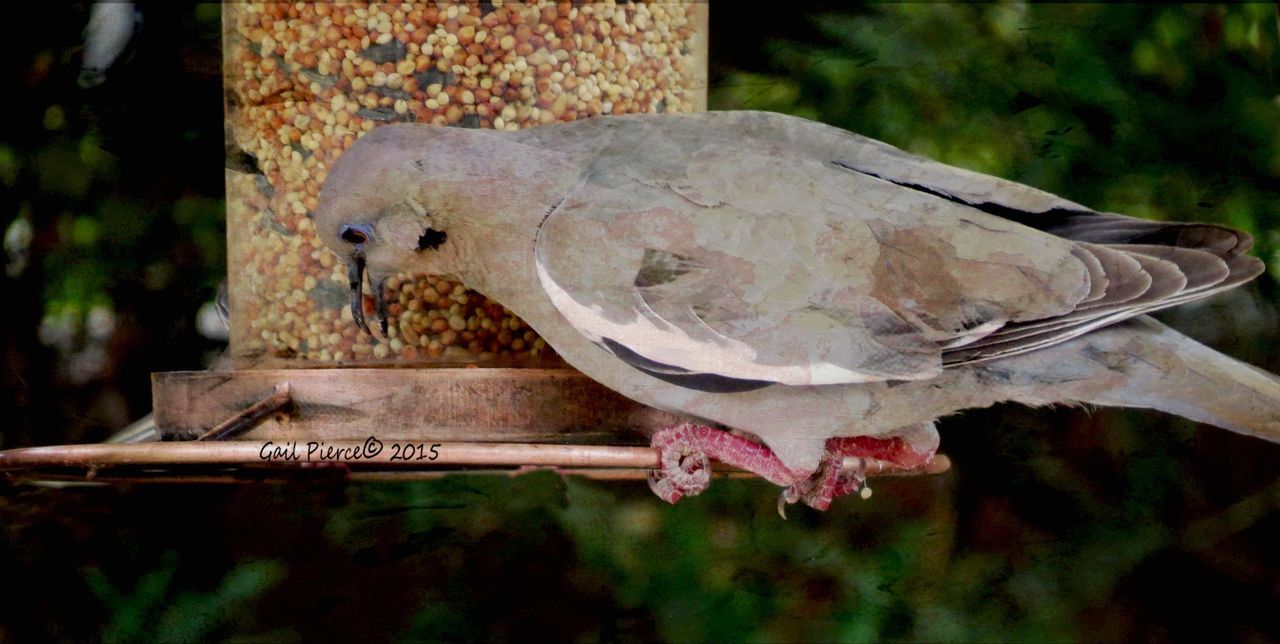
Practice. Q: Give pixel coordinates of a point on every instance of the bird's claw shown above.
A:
(686, 471)
(830, 481)
(685, 453)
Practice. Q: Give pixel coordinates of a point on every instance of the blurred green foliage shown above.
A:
(1056, 525)
(1163, 112)
(114, 234)
(152, 609)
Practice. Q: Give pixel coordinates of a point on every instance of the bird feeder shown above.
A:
(303, 82)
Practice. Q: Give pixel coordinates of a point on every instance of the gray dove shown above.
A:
(799, 292)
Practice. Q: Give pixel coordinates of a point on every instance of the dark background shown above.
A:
(1055, 524)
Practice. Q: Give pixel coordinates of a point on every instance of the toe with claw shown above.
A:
(686, 450)
(686, 469)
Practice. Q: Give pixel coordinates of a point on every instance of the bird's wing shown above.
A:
(766, 248)
(725, 264)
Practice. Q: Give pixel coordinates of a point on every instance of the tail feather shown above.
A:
(1175, 374)
(1143, 364)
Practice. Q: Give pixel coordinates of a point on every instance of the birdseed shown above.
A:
(306, 80)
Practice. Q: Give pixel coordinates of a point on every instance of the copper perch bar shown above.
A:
(597, 461)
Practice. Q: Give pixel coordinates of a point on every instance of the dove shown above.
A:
(800, 293)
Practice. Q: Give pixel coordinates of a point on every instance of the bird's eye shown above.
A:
(352, 235)
(431, 239)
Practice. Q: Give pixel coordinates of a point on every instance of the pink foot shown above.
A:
(686, 450)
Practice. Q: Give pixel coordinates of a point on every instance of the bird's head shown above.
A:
(383, 210)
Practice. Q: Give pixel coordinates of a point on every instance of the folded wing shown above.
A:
(729, 251)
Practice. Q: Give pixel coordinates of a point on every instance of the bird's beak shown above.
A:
(355, 279)
(379, 285)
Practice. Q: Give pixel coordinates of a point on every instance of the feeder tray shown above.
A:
(377, 424)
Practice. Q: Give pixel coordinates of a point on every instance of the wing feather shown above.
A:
(765, 248)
